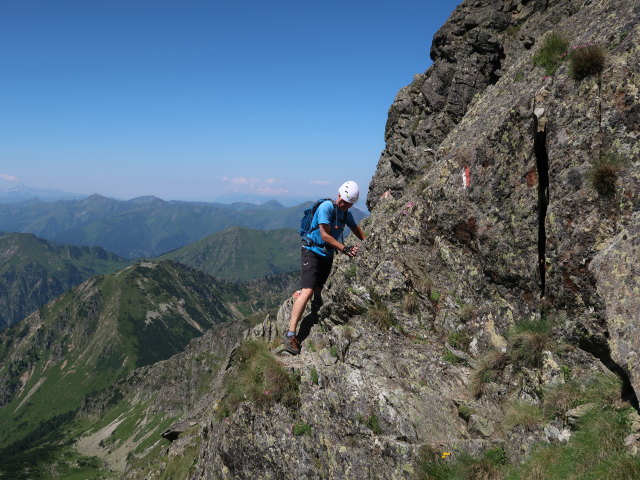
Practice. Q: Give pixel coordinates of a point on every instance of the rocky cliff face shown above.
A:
(483, 219)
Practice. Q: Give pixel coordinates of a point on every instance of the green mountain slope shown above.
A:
(94, 334)
(33, 271)
(142, 227)
(240, 254)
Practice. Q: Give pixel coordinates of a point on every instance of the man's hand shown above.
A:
(350, 251)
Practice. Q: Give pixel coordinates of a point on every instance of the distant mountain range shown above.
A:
(241, 254)
(33, 271)
(144, 226)
(11, 192)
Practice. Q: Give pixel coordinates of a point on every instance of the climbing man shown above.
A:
(318, 246)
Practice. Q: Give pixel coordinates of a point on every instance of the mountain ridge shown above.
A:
(145, 227)
(241, 254)
(34, 270)
(101, 330)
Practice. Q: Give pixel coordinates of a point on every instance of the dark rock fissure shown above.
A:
(599, 348)
(542, 165)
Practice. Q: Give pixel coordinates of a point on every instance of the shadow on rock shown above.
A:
(305, 325)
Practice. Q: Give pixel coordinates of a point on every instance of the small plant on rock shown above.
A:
(314, 376)
(596, 450)
(603, 174)
(452, 358)
(586, 60)
(550, 55)
(411, 303)
(371, 422)
(434, 296)
(379, 313)
(434, 465)
(527, 342)
(350, 273)
(465, 412)
(260, 379)
(523, 414)
(300, 429)
(459, 340)
(488, 370)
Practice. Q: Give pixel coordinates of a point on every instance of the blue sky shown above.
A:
(194, 100)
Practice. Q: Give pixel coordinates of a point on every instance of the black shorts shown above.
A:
(314, 269)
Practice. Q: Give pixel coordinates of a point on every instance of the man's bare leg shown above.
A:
(298, 307)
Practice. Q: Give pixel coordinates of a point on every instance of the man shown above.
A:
(318, 248)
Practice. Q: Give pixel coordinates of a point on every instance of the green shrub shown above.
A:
(603, 174)
(300, 429)
(260, 379)
(550, 55)
(585, 61)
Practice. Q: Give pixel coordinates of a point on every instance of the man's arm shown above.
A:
(325, 232)
(357, 231)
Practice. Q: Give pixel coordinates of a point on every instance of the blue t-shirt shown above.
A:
(326, 214)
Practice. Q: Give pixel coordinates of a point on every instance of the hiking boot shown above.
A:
(291, 344)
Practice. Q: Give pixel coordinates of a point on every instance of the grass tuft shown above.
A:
(586, 61)
(488, 370)
(260, 379)
(603, 174)
(452, 358)
(523, 414)
(550, 55)
(411, 304)
(465, 412)
(459, 340)
(300, 429)
(380, 314)
(371, 422)
(596, 451)
(434, 465)
(528, 341)
(314, 376)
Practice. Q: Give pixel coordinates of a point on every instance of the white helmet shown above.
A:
(349, 192)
